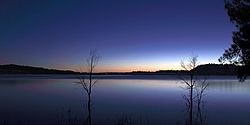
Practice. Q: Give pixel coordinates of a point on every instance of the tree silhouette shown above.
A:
(190, 86)
(87, 82)
(239, 51)
(193, 84)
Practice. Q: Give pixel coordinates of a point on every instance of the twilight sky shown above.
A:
(128, 34)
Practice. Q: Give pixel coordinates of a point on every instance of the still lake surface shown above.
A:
(142, 100)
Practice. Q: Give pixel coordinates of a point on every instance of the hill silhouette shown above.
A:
(18, 69)
(216, 69)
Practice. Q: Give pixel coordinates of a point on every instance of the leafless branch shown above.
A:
(87, 82)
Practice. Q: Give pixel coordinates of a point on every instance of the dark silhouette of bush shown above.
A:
(239, 51)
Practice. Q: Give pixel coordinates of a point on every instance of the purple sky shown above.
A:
(128, 34)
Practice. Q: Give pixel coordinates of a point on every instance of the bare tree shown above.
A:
(87, 82)
(193, 63)
(192, 86)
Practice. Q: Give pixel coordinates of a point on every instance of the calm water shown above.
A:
(142, 100)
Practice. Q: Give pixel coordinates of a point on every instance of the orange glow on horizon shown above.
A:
(133, 68)
(119, 68)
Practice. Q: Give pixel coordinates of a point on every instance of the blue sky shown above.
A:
(128, 34)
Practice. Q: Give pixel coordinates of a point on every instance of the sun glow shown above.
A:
(127, 68)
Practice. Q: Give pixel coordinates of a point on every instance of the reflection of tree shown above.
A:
(196, 89)
(200, 106)
(87, 82)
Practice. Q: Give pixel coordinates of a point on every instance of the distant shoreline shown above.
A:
(113, 77)
(206, 70)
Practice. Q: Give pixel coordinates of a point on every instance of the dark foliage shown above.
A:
(239, 51)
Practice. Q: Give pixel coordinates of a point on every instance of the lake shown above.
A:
(120, 100)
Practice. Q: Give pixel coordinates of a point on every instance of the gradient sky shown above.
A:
(128, 34)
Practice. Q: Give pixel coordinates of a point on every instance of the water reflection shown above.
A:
(40, 101)
(194, 100)
(229, 85)
(87, 86)
(126, 119)
(89, 107)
